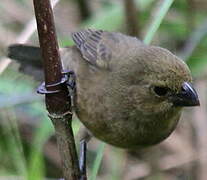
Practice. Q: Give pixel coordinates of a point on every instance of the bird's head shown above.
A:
(160, 81)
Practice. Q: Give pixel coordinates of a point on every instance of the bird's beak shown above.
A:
(187, 97)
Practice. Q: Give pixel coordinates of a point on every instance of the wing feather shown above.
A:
(92, 47)
(96, 47)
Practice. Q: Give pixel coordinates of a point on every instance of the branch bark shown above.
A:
(131, 17)
(58, 104)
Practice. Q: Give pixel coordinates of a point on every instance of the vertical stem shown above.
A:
(84, 9)
(67, 149)
(131, 17)
(58, 104)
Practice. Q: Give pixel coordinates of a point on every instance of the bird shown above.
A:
(128, 94)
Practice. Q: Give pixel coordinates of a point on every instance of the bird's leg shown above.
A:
(71, 78)
(82, 159)
(71, 83)
(85, 137)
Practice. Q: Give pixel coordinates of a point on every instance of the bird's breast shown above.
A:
(127, 130)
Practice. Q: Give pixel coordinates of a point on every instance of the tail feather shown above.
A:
(26, 55)
(29, 58)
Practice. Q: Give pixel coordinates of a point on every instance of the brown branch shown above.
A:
(58, 104)
(131, 17)
(84, 9)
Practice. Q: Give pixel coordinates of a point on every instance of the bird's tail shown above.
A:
(25, 55)
(29, 58)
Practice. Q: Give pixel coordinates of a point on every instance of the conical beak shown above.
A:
(187, 97)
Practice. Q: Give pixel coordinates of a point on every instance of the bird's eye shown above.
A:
(160, 91)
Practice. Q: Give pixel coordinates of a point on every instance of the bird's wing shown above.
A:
(92, 46)
(100, 47)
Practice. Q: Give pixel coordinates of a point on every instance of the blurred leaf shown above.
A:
(110, 18)
(36, 168)
(13, 142)
(198, 61)
(194, 51)
(97, 162)
(18, 99)
(158, 17)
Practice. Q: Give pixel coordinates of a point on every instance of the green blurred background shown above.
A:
(27, 142)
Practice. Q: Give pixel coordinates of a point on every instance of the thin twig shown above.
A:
(84, 9)
(131, 14)
(57, 101)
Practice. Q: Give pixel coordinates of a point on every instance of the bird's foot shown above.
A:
(68, 77)
(71, 78)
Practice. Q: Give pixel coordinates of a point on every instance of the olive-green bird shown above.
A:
(128, 94)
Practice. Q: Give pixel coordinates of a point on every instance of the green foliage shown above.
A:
(157, 21)
(198, 61)
(97, 161)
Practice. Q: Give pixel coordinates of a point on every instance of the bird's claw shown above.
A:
(71, 78)
(68, 77)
